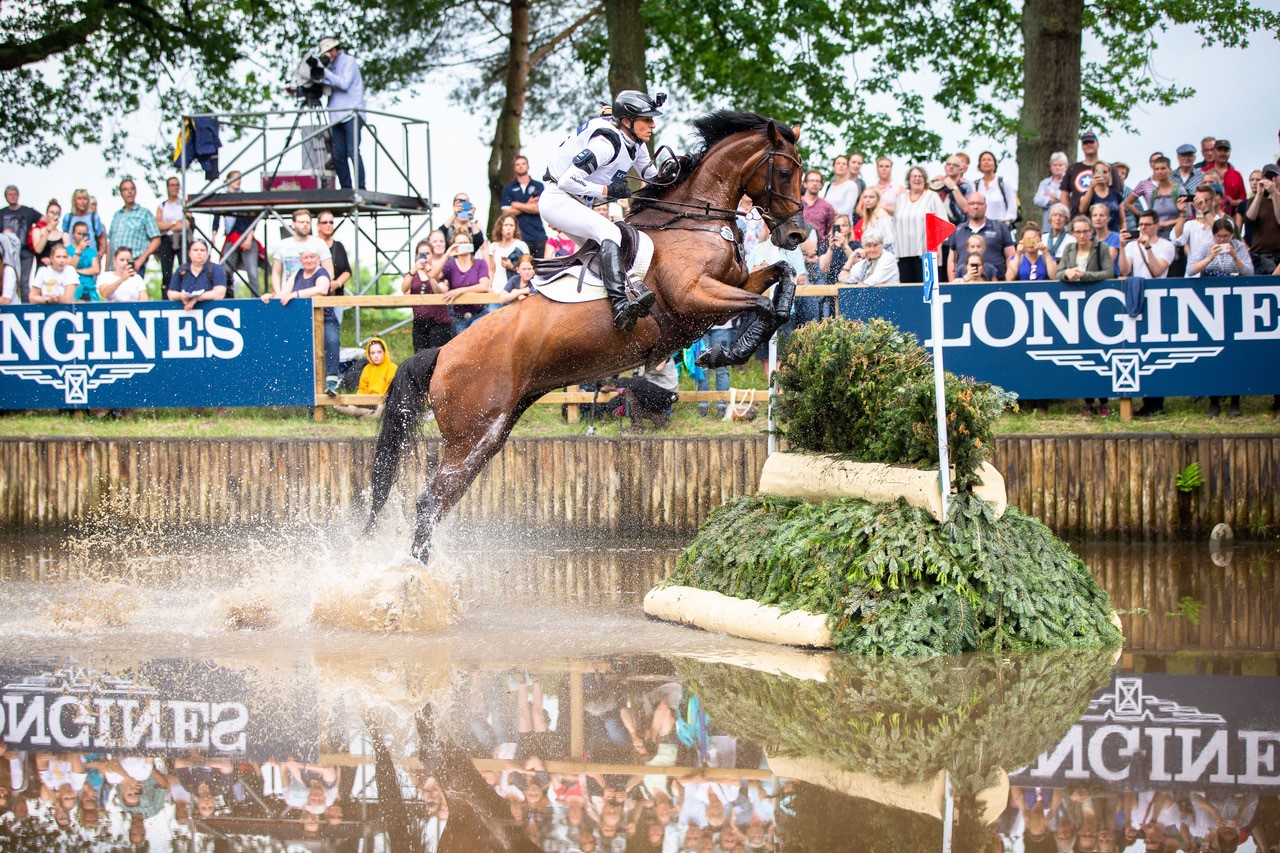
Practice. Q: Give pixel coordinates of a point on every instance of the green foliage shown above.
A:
(1188, 608)
(1190, 478)
(865, 390)
(76, 74)
(906, 720)
(895, 582)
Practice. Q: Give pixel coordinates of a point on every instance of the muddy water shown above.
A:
(136, 706)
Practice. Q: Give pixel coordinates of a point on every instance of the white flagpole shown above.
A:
(937, 331)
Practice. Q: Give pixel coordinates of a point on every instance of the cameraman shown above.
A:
(346, 106)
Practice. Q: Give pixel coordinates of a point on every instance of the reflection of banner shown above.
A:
(1049, 340)
(1170, 732)
(235, 352)
(165, 707)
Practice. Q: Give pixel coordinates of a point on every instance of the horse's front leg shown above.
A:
(764, 323)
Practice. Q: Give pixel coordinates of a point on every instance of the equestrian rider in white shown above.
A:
(591, 166)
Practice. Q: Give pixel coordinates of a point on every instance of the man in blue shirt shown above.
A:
(520, 198)
(346, 108)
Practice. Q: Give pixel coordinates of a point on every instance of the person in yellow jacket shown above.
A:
(374, 379)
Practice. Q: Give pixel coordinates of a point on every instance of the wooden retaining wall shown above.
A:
(1084, 485)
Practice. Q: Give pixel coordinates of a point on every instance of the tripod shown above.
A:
(317, 153)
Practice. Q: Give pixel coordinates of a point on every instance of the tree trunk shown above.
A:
(626, 46)
(1051, 33)
(506, 131)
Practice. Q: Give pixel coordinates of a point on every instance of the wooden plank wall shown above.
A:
(1081, 486)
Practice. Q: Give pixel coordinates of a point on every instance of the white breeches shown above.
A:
(565, 213)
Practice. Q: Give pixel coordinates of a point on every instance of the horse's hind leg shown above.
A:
(461, 460)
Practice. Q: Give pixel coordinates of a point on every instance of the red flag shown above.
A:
(936, 230)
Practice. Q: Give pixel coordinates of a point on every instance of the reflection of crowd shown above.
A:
(1044, 820)
(658, 775)
(107, 797)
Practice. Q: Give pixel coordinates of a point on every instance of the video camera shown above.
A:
(308, 80)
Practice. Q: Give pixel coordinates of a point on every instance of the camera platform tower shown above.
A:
(283, 168)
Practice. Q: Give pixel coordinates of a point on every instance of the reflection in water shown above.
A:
(556, 718)
(639, 753)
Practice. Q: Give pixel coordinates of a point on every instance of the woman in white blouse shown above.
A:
(913, 204)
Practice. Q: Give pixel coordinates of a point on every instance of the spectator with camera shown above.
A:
(520, 198)
(974, 268)
(997, 240)
(1194, 229)
(1031, 260)
(463, 218)
(1262, 215)
(346, 110)
(198, 280)
(1225, 256)
(1145, 254)
(134, 227)
(121, 283)
(464, 273)
(1101, 191)
(432, 324)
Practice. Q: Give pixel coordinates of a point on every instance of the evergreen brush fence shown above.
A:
(1079, 485)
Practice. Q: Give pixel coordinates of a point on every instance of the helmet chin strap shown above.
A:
(629, 125)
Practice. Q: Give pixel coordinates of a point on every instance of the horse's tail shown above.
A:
(402, 411)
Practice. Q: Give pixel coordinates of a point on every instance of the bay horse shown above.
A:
(481, 382)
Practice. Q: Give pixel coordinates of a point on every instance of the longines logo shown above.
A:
(76, 380)
(1126, 367)
(1127, 703)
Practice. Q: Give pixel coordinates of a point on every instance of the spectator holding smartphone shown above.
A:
(1031, 260)
(121, 283)
(1145, 254)
(432, 324)
(1263, 215)
(85, 261)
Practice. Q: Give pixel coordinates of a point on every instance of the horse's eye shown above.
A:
(785, 174)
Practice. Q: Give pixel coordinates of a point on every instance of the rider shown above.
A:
(592, 164)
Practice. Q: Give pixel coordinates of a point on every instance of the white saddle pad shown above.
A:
(563, 286)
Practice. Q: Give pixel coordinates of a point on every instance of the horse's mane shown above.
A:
(712, 129)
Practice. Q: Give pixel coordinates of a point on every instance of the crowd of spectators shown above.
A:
(1085, 223)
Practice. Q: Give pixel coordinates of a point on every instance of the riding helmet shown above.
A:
(633, 104)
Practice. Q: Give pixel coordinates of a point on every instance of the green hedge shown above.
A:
(896, 582)
(865, 390)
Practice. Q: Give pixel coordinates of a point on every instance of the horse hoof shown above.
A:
(713, 357)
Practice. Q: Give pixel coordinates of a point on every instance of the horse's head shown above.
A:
(773, 183)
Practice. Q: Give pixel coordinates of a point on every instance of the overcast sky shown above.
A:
(1245, 112)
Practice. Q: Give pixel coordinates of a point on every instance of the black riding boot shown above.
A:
(630, 298)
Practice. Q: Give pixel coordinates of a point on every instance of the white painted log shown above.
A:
(820, 477)
(712, 611)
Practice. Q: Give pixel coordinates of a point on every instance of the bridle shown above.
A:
(684, 212)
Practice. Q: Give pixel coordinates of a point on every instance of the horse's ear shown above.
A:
(775, 138)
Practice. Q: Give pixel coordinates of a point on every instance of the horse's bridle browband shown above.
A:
(707, 212)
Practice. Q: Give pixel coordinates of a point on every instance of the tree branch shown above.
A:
(546, 49)
(15, 54)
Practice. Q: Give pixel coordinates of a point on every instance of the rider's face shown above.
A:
(643, 128)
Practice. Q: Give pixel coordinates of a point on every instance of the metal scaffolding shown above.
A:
(387, 218)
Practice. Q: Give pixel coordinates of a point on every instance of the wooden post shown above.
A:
(317, 329)
(573, 413)
(1126, 408)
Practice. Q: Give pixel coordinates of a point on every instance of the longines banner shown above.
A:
(235, 352)
(1051, 340)
(1169, 732)
(162, 707)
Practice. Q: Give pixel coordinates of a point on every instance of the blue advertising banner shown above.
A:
(1049, 340)
(235, 352)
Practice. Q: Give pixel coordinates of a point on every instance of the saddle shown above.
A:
(588, 255)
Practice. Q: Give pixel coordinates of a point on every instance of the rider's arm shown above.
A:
(576, 180)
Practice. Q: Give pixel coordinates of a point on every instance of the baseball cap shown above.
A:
(467, 210)
(1088, 136)
(1186, 149)
(327, 45)
(1223, 144)
(1271, 170)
